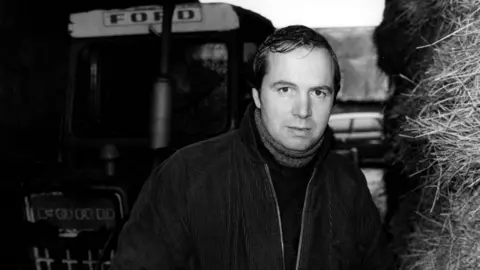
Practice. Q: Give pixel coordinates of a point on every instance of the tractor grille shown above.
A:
(71, 259)
(74, 229)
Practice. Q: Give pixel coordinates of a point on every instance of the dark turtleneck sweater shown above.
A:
(290, 184)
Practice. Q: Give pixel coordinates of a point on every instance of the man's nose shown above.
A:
(302, 107)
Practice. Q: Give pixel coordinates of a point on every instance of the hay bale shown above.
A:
(406, 25)
(445, 119)
(448, 101)
(448, 237)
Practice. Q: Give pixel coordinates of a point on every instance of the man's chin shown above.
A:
(297, 146)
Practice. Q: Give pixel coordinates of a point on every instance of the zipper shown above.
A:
(302, 225)
(278, 214)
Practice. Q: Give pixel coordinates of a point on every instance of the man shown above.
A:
(269, 195)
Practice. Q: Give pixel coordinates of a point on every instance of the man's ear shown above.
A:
(256, 98)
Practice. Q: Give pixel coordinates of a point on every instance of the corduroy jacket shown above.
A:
(212, 206)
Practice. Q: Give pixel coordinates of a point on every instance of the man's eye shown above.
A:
(319, 93)
(284, 89)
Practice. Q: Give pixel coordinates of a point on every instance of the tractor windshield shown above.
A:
(114, 81)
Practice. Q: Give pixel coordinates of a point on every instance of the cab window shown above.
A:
(114, 80)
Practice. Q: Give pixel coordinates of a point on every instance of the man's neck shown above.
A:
(282, 155)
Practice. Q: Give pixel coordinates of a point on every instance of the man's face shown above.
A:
(297, 96)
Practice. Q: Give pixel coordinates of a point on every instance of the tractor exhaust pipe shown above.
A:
(162, 90)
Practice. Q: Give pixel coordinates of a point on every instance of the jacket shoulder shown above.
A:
(201, 156)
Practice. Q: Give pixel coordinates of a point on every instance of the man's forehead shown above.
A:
(298, 61)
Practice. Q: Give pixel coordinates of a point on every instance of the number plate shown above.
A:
(86, 211)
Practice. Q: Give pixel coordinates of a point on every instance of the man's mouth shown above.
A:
(299, 131)
(300, 128)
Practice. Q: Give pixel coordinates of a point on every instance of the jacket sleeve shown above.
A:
(377, 253)
(156, 235)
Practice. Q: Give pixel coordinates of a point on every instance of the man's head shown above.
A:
(295, 80)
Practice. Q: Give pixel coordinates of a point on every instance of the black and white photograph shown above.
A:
(240, 134)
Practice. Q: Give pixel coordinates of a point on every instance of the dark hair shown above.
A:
(285, 40)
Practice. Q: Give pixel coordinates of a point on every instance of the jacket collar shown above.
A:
(250, 140)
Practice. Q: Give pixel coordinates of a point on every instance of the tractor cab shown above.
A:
(141, 80)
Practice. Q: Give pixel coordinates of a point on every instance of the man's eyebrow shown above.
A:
(282, 83)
